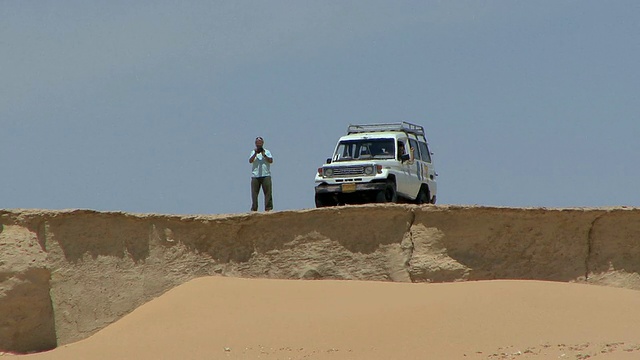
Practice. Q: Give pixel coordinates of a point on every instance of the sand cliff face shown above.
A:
(66, 274)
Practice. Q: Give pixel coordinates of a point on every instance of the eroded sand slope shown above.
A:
(231, 318)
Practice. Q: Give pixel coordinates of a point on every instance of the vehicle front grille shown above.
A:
(348, 170)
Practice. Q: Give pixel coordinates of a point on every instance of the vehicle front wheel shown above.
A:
(433, 199)
(324, 200)
(389, 194)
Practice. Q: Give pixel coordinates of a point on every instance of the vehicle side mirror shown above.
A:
(328, 160)
(405, 157)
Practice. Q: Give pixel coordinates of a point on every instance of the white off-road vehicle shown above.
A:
(378, 163)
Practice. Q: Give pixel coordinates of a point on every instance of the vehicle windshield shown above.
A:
(365, 149)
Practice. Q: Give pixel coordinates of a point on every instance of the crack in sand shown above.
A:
(587, 259)
(410, 249)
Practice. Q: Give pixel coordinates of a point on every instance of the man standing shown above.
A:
(261, 160)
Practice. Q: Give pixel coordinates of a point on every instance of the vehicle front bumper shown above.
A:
(349, 187)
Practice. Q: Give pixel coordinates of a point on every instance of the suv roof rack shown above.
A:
(399, 126)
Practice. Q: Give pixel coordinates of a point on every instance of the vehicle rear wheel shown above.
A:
(389, 194)
(423, 196)
(324, 200)
(433, 199)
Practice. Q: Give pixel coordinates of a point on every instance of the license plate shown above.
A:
(348, 188)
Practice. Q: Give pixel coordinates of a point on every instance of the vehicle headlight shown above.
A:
(368, 170)
(328, 172)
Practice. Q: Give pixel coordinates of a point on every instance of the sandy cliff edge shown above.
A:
(87, 269)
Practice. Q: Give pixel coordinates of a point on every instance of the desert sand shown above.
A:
(355, 282)
(227, 318)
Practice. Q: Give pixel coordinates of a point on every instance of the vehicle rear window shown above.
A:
(424, 151)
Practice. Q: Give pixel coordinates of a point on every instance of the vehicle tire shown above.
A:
(324, 200)
(389, 194)
(423, 196)
(433, 199)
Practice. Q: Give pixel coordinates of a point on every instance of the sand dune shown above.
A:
(231, 318)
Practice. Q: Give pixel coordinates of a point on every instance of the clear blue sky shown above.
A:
(153, 106)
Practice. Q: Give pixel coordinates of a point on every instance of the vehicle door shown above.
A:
(429, 170)
(403, 180)
(416, 166)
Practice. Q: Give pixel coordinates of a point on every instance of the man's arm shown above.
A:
(267, 156)
(253, 157)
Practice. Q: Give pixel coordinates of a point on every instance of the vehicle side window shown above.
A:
(402, 148)
(416, 149)
(424, 151)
